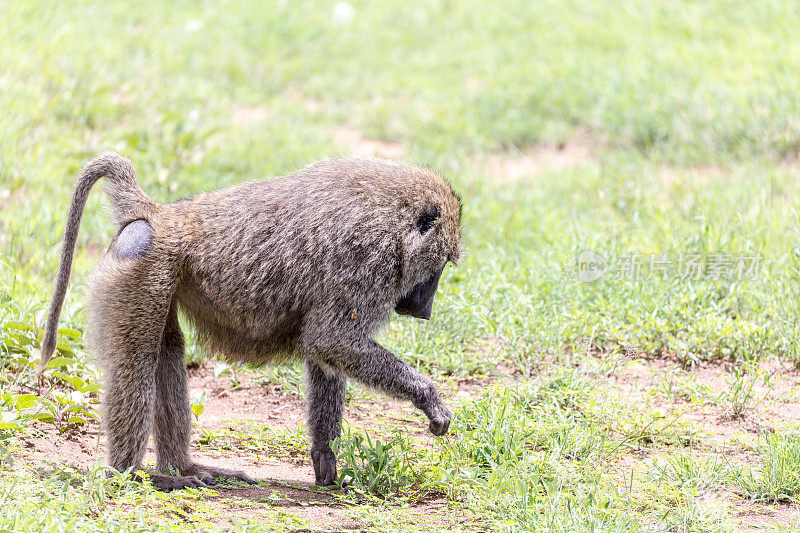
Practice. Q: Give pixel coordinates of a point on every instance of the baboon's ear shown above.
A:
(427, 217)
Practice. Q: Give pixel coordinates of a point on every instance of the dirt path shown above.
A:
(257, 426)
(284, 473)
(697, 397)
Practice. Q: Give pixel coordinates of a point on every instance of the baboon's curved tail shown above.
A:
(129, 203)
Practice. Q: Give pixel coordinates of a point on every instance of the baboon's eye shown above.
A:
(426, 219)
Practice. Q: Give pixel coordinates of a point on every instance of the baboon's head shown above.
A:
(416, 207)
(432, 239)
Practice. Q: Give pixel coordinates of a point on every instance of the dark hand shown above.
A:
(436, 411)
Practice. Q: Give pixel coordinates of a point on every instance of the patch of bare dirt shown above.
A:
(755, 517)
(354, 142)
(225, 407)
(775, 400)
(243, 115)
(504, 167)
(79, 448)
(268, 404)
(645, 382)
(284, 482)
(791, 163)
(701, 174)
(311, 104)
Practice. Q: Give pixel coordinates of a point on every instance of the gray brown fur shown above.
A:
(309, 265)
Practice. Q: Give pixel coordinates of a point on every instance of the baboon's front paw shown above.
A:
(436, 411)
(324, 467)
(440, 419)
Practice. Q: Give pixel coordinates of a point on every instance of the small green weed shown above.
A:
(382, 468)
(685, 470)
(778, 479)
(487, 435)
(741, 396)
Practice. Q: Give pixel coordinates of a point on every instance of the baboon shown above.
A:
(308, 265)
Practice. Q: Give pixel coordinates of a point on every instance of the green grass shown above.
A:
(690, 116)
(779, 479)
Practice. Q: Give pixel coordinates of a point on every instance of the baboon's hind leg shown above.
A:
(126, 331)
(173, 423)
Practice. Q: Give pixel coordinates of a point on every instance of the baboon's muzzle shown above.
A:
(419, 301)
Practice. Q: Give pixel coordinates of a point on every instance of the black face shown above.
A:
(419, 302)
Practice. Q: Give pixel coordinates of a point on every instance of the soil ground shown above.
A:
(285, 477)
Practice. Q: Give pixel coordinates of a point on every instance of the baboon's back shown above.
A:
(261, 255)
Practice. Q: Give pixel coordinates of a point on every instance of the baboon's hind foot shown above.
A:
(167, 482)
(213, 474)
(197, 476)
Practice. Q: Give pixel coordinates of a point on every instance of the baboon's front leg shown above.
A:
(376, 367)
(325, 395)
